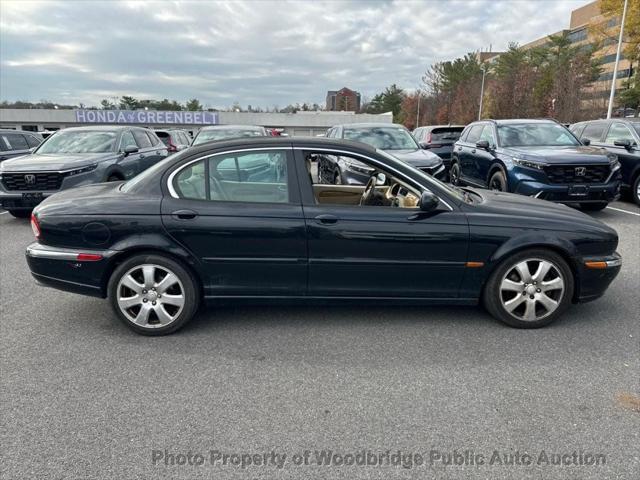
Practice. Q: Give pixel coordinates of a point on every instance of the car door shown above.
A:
(379, 251)
(629, 157)
(485, 158)
(467, 155)
(246, 228)
(146, 150)
(129, 163)
(158, 149)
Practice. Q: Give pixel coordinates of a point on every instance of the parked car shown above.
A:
(621, 137)
(73, 157)
(174, 139)
(538, 158)
(215, 133)
(391, 138)
(439, 139)
(189, 230)
(15, 143)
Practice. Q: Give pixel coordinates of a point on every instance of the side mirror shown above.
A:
(585, 141)
(622, 143)
(483, 144)
(381, 179)
(428, 201)
(129, 149)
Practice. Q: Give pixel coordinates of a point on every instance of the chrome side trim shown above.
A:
(38, 251)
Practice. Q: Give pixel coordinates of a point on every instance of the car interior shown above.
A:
(382, 189)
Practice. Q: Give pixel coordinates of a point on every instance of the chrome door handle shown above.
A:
(326, 219)
(184, 214)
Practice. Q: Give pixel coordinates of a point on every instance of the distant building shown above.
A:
(343, 100)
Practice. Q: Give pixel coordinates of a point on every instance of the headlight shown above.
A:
(356, 166)
(614, 163)
(78, 171)
(528, 164)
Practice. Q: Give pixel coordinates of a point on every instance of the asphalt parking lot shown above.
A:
(84, 397)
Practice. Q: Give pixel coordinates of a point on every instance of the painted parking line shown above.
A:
(2, 213)
(624, 211)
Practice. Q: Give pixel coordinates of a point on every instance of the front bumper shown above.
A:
(63, 269)
(23, 200)
(588, 193)
(596, 274)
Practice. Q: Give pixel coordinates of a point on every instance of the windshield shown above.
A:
(80, 142)
(535, 135)
(384, 138)
(225, 133)
(636, 126)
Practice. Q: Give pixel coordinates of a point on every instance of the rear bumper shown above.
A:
(596, 274)
(62, 269)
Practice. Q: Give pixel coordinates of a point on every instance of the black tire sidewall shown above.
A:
(491, 295)
(20, 213)
(634, 190)
(191, 292)
(454, 180)
(503, 180)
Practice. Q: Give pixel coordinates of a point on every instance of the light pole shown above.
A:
(484, 72)
(418, 110)
(615, 67)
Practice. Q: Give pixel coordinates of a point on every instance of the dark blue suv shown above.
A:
(538, 158)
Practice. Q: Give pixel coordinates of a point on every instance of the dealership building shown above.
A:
(296, 124)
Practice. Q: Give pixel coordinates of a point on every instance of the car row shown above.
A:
(15, 143)
(247, 220)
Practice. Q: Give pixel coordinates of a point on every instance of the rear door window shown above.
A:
(16, 141)
(594, 131)
(142, 139)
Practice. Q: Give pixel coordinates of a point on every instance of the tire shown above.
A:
(506, 284)
(454, 174)
(165, 316)
(114, 178)
(20, 213)
(498, 181)
(593, 207)
(635, 190)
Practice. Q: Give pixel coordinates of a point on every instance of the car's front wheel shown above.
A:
(454, 174)
(498, 181)
(593, 207)
(635, 190)
(153, 294)
(530, 289)
(20, 213)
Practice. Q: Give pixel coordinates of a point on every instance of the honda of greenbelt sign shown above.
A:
(146, 117)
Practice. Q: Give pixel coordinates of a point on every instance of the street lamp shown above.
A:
(615, 67)
(484, 72)
(418, 109)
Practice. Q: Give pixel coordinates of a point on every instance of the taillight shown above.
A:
(429, 138)
(35, 225)
(171, 147)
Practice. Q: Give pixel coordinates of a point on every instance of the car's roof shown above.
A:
(512, 121)
(234, 127)
(370, 125)
(433, 127)
(10, 130)
(112, 128)
(284, 142)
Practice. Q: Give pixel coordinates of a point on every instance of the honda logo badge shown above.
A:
(581, 171)
(30, 179)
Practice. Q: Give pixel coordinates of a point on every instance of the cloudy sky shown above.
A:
(254, 52)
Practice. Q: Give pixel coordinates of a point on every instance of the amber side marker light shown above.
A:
(88, 257)
(596, 265)
(475, 264)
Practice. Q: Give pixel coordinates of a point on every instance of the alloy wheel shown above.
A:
(532, 289)
(150, 296)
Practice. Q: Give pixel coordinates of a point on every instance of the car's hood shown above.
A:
(560, 155)
(531, 212)
(417, 157)
(53, 162)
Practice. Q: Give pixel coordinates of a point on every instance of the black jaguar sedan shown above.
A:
(244, 219)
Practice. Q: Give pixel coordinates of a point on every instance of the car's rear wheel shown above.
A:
(530, 289)
(20, 213)
(498, 181)
(593, 207)
(635, 190)
(454, 174)
(153, 294)
(114, 178)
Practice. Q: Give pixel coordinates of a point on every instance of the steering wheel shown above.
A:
(369, 190)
